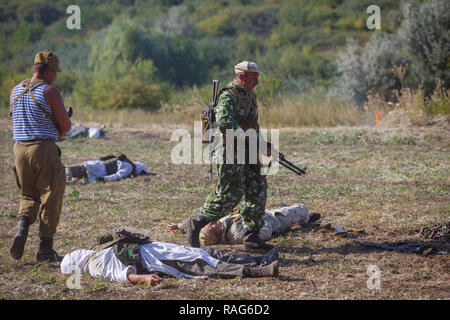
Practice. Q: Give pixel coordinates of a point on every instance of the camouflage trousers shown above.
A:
(238, 183)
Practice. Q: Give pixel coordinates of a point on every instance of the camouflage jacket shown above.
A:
(237, 109)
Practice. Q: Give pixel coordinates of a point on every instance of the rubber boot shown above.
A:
(68, 175)
(46, 251)
(252, 242)
(20, 239)
(271, 270)
(195, 224)
(78, 172)
(313, 217)
(270, 256)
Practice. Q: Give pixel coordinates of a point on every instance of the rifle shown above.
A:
(289, 165)
(210, 116)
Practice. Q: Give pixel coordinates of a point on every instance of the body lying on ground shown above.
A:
(82, 131)
(111, 167)
(163, 258)
(229, 229)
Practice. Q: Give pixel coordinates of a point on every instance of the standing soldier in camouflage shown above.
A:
(238, 183)
(39, 119)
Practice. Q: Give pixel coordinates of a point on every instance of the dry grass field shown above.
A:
(388, 182)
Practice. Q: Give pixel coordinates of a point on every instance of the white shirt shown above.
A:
(105, 263)
(96, 169)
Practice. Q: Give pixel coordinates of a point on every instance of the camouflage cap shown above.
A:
(48, 58)
(246, 66)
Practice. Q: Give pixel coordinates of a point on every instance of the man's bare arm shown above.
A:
(55, 101)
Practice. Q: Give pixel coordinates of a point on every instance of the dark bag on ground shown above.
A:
(126, 246)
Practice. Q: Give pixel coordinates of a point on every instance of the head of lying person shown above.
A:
(141, 169)
(211, 233)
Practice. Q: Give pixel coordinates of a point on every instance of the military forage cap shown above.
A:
(48, 58)
(246, 66)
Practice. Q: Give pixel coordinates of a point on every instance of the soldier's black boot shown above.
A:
(76, 172)
(271, 270)
(196, 223)
(46, 251)
(20, 238)
(252, 242)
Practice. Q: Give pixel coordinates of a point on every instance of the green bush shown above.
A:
(269, 84)
(426, 37)
(7, 84)
(27, 33)
(65, 81)
(129, 92)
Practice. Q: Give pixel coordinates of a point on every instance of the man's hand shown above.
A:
(271, 149)
(150, 279)
(172, 227)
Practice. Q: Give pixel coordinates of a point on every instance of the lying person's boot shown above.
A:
(252, 241)
(20, 239)
(46, 251)
(196, 223)
(270, 256)
(271, 270)
(313, 217)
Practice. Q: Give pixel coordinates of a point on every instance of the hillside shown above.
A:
(182, 43)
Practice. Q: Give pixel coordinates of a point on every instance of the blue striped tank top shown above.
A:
(29, 122)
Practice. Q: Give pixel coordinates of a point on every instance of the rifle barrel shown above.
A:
(289, 165)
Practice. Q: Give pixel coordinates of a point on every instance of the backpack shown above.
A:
(126, 246)
(208, 115)
(111, 166)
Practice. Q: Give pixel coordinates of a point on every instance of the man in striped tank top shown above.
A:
(39, 119)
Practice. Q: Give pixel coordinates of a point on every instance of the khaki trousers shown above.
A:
(41, 176)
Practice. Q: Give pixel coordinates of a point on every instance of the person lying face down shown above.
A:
(111, 167)
(82, 131)
(169, 259)
(229, 229)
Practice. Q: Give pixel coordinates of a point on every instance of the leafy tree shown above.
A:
(426, 34)
(380, 55)
(41, 11)
(423, 42)
(177, 22)
(351, 82)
